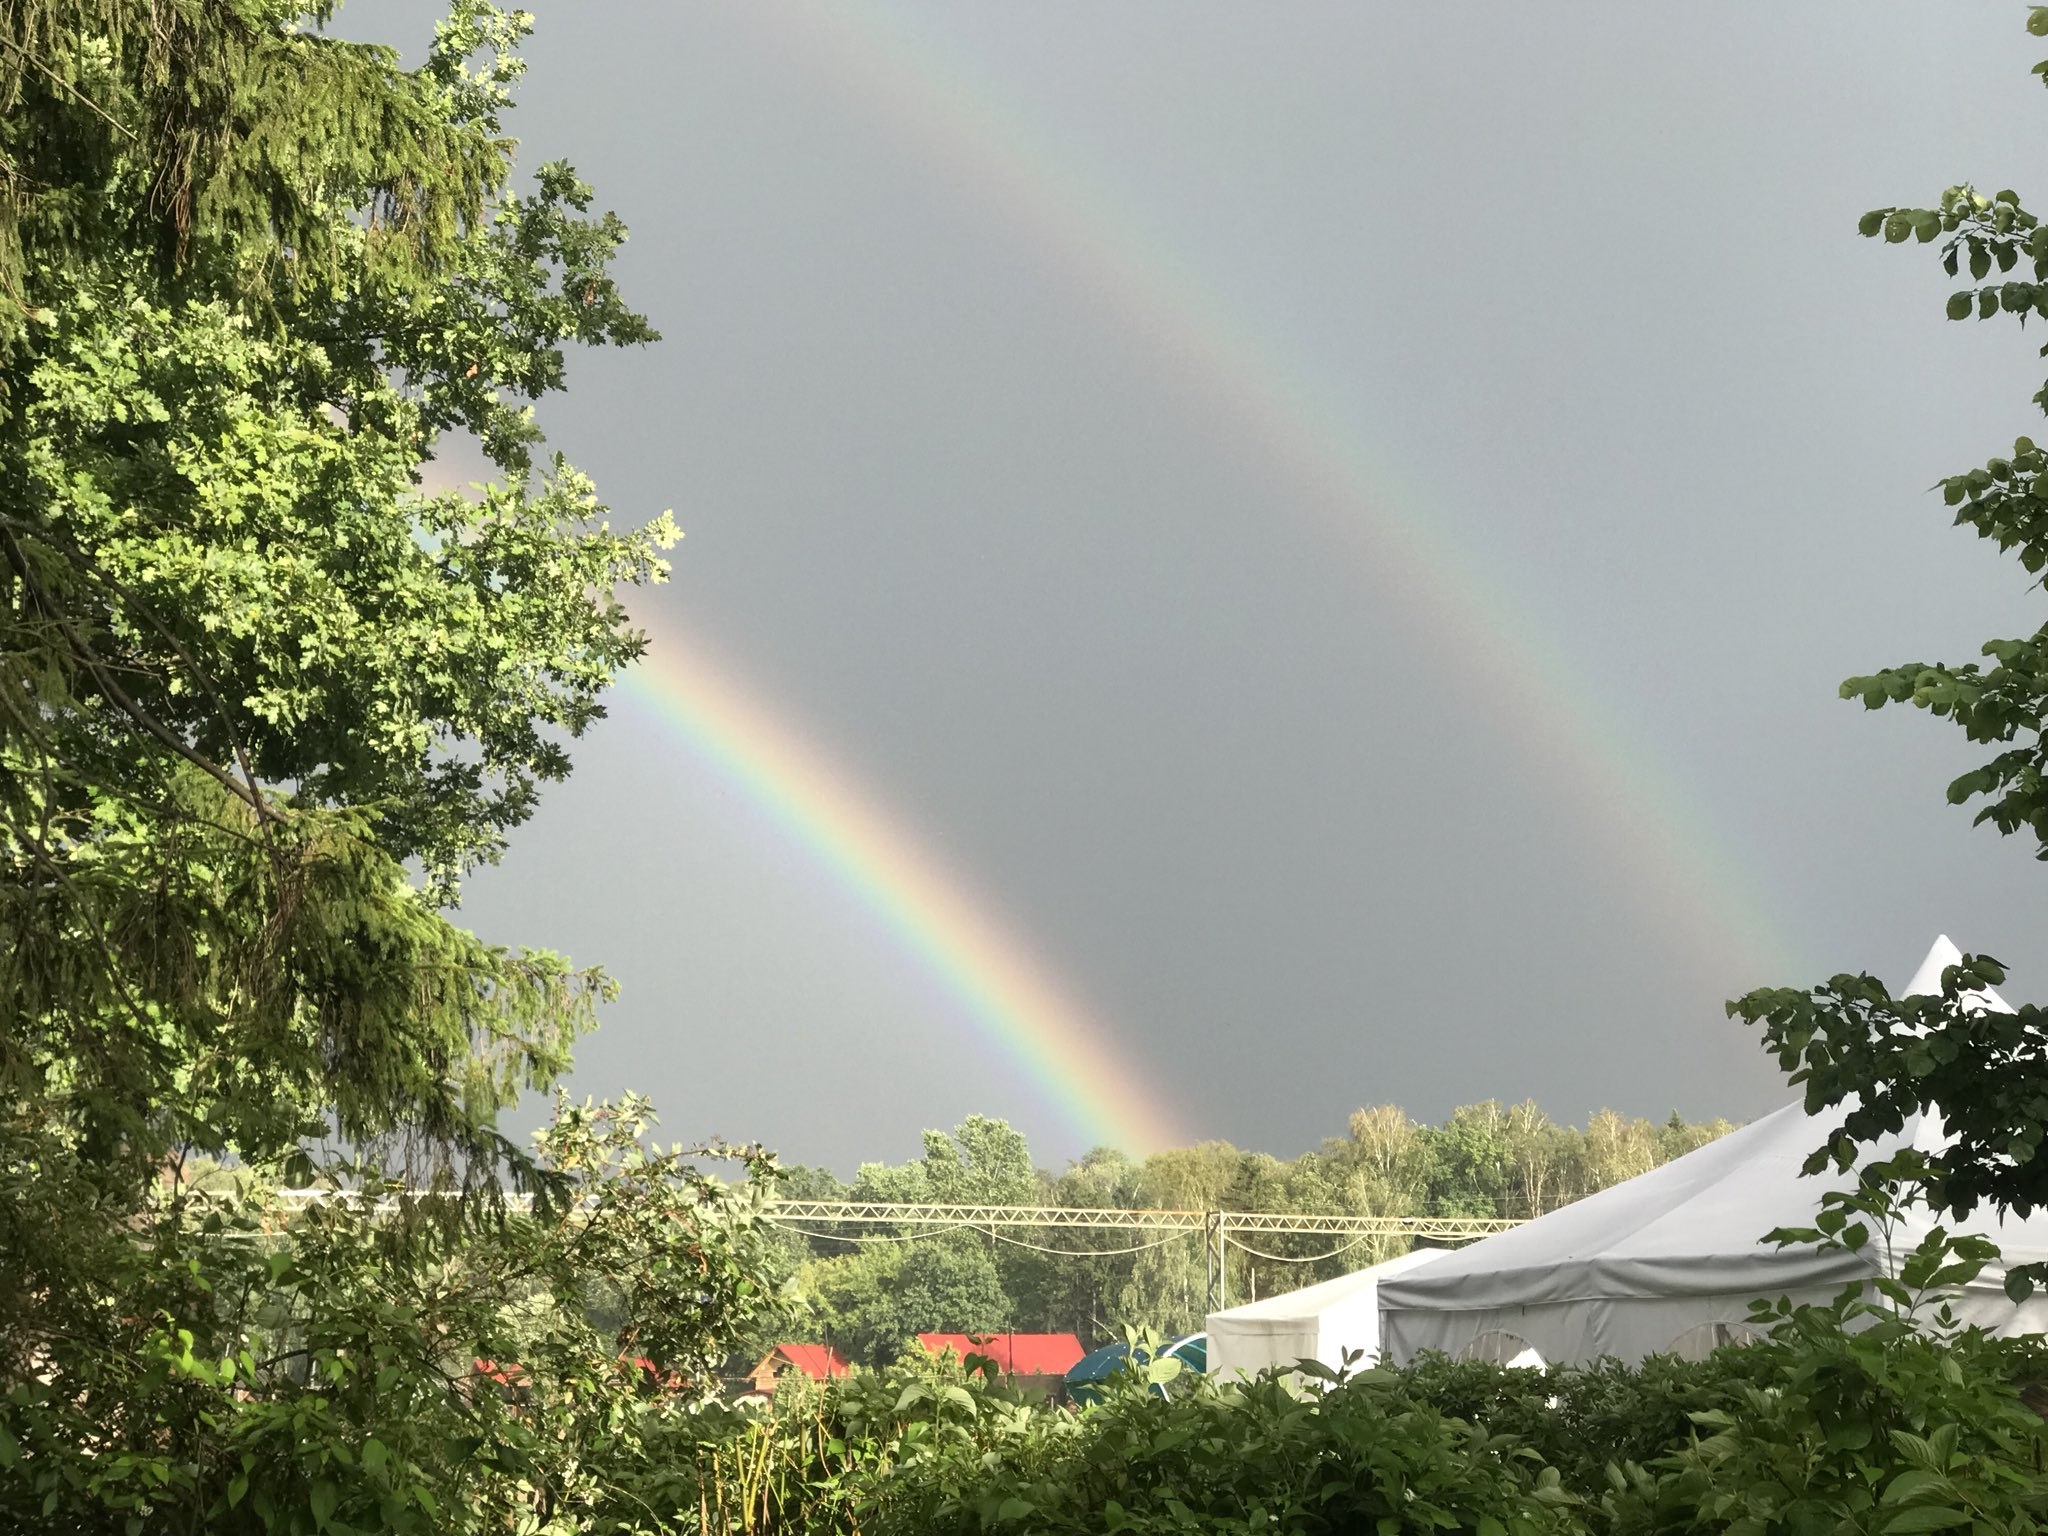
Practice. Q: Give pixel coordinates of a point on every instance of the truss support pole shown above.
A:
(1208, 1265)
(1219, 1295)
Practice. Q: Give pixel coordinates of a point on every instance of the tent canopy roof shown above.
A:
(1314, 1300)
(1695, 1226)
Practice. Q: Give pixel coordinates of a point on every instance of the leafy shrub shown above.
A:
(1364, 1455)
(362, 1365)
(1581, 1419)
(922, 1449)
(1846, 1420)
(817, 1458)
(1856, 1421)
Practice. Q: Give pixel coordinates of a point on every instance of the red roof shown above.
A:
(1015, 1354)
(816, 1361)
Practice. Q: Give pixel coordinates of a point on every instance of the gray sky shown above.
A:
(1056, 399)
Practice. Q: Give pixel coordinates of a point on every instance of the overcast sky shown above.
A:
(1339, 525)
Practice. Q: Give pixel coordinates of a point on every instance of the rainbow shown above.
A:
(1003, 991)
(1541, 700)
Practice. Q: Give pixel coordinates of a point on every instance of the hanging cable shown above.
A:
(1015, 1242)
(1288, 1258)
(872, 1237)
(1089, 1253)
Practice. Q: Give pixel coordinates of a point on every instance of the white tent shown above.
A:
(1317, 1322)
(1668, 1262)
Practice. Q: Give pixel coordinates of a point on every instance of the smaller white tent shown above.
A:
(1669, 1262)
(1317, 1322)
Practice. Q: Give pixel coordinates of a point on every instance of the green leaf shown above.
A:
(322, 1499)
(1871, 222)
(1916, 1448)
(1960, 305)
(1906, 1484)
(2037, 21)
(1924, 1517)
(1014, 1508)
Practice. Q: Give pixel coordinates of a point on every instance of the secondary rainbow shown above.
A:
(998, 985)
(1627, 802)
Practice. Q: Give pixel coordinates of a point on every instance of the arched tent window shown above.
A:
(1700, 1341)
(1499, 1347)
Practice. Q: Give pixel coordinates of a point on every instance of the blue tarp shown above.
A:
(1092, 1370)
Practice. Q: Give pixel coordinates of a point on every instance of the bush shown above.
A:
(1363, 1456)
(923, 1449)
(1850, 1428)
(1581, 1419)
(1845, 1421)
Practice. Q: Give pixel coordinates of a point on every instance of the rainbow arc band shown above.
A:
(1541, 704)
(998, 987)
(1263, 396)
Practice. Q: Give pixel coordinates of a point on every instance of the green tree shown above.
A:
(263, 703)
(873, 1302)
(1385, 1162)
(1539, 1160)
(1277, 1262)
(1615, 1149)
(1168, 1284)
(1677, 1136)
(1471, 1157)
(983, 1162)
(248, 671)
(1063, 1291)
(1878, 1059)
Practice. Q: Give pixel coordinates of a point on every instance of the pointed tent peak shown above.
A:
(1926, 981)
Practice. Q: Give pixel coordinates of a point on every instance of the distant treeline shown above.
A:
(869, 1296)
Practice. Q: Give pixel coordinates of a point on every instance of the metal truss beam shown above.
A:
(1099, 1218)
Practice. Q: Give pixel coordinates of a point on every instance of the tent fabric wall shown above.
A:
(1317, 1322)
(1648, 1266)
